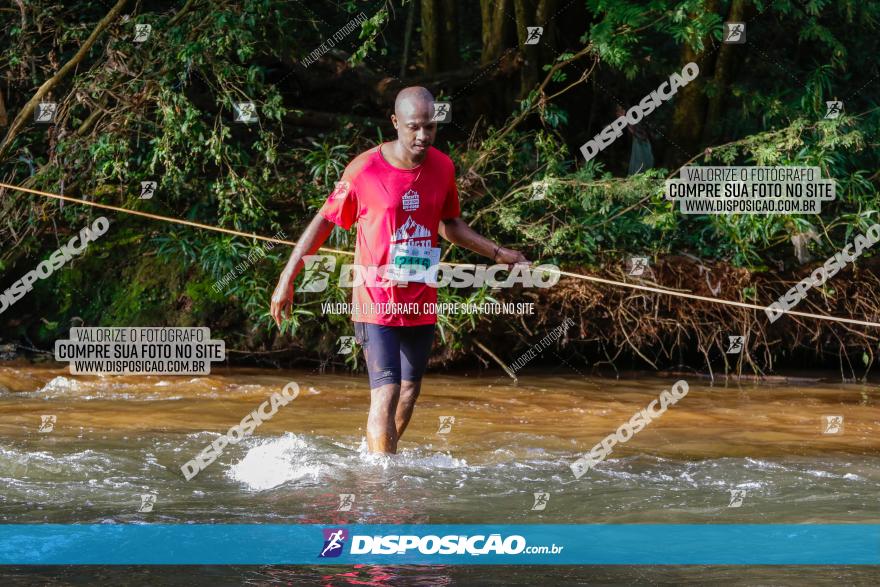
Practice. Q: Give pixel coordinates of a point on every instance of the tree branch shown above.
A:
(179, 15)
(47, 86)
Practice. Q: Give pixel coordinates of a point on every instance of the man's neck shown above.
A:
(398, 156)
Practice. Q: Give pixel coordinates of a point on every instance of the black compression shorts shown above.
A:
(394, 353)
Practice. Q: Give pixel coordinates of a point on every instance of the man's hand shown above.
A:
(510, 257)
(457, 231)
(311, 240)
(282, 298)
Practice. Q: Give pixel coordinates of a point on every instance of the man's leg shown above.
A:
(409, 393)
(415, 348)
(381, 346)
(381, 432)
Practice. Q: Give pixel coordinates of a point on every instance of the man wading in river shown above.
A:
(401, 194)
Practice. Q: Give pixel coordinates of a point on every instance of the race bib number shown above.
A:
(416, 264)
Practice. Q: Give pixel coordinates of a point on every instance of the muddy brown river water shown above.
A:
(115, 438)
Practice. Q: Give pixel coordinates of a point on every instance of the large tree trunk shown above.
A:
(407, 37)
(534, 13)
(525, 17)
(546, 52)
(449, 45)
(723, 73)
(690, 104)
(494, 24)
(430, 36)
(439, 35)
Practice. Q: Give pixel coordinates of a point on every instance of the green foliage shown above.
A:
(587, 215)
(326, 162)
(164, 111)
(371, 28)
(616, 33)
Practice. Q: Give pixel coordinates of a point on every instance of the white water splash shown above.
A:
(273, 462)
(277, 461)
(62, 384)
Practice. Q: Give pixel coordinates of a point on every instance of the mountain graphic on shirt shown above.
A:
(412, 230)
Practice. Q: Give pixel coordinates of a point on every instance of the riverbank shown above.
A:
(603, 327)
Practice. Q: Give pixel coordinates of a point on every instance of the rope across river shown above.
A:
(340, 252)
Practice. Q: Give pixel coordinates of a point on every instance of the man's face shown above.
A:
(415, 130)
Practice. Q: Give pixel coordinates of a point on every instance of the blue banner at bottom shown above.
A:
(465, 544)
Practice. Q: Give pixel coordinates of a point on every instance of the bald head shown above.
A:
(413, 98)
(413, 119)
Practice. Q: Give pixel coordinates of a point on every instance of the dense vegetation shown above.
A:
(163, 110)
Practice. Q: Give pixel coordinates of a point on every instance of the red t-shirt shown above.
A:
(398, 212)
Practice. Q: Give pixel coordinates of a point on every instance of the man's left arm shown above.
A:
(457, 231)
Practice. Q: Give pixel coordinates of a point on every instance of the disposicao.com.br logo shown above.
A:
(432, 544)
(318, 269)
(334, 540)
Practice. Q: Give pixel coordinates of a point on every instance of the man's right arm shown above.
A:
(311, 240)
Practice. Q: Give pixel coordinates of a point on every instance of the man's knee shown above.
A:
(409, 391)
(384, 397)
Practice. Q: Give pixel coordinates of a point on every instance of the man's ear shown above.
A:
(394, 121)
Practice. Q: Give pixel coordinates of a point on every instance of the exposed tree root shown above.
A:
(615, 325)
